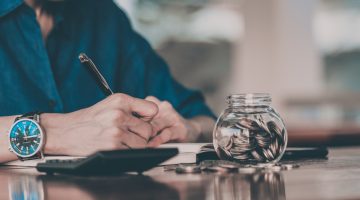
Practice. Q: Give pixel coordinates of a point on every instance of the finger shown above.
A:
(133, 141)
(146, 110)
(111, 141)
(140, 127)
(163, 137)
(160, 123)
(139, 107)
(153, 99)
(166, 117)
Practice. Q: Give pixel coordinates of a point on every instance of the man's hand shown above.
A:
(169, 126)
(109, 124)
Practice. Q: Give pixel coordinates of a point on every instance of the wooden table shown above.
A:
(337, 177)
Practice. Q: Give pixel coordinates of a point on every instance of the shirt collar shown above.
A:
(6, 6)
(57, 9)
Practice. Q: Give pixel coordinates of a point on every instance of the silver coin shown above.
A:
(257, 156)
(242, 146)
(230, 143)
(274, 128)
(224, 153)
(267, 153)
(170, 167)
(274, 168)
(260, 121)
(229, 166)
(263, 143)
(183, 169)
(248, 124)
(237, 152)
(247, 170)
(218, 169)
(289, 166)
(241, 156)
(275, 147)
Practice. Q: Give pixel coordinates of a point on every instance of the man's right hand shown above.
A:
(107, 125)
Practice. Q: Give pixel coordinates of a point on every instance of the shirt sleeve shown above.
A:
(157, 79)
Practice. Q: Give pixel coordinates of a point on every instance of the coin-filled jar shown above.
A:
(250, 131)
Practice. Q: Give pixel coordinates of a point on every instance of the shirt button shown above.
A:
(52, 103)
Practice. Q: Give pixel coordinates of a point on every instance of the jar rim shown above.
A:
(249, 99)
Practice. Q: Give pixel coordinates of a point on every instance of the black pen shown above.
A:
(99, 78)
(85, 60)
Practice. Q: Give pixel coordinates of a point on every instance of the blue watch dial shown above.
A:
(25, 138)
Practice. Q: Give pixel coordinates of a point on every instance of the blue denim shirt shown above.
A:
(48, 77)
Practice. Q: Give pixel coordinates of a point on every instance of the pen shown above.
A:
(99, 78)
(87, 62)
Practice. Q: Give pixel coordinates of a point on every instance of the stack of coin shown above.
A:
(253, 141)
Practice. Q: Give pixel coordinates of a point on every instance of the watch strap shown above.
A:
(39, 155)
(31, 115)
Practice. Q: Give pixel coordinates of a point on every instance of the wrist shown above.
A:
(204, 126)
(52, 124)
(194, 130)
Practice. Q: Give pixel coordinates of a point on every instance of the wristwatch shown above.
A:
(26, 137)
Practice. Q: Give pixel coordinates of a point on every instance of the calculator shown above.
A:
(109, 162)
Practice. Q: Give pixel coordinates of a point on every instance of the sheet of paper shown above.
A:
(184, 147)
(187, 152)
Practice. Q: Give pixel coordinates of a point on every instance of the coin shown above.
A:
(274, 128)
(184, 169)
(228, 166)
(289, 166)
(248, 124)
(247, 170)
(260, 121)
(241, 156)
(218, 169)
(257, 156)
(224, 153)
(170, 167)
(230, 143)
(273, 168)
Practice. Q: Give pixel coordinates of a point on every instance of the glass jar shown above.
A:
(250, 131)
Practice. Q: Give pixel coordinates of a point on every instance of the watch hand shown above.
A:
(26, 130)
(19, 132)
(32, 136)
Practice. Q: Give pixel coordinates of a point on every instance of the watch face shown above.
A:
(26, 138)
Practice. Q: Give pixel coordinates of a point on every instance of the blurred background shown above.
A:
(306, 54)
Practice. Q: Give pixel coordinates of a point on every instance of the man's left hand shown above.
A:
(170, 126)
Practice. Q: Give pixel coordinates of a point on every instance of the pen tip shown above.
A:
(83, 57)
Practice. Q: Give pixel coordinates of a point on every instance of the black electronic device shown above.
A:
(110, 162)
(293, 153)
(207, 152)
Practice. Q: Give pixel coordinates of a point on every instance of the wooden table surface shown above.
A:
(337, 177)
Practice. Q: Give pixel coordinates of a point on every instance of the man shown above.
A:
(39, 44)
